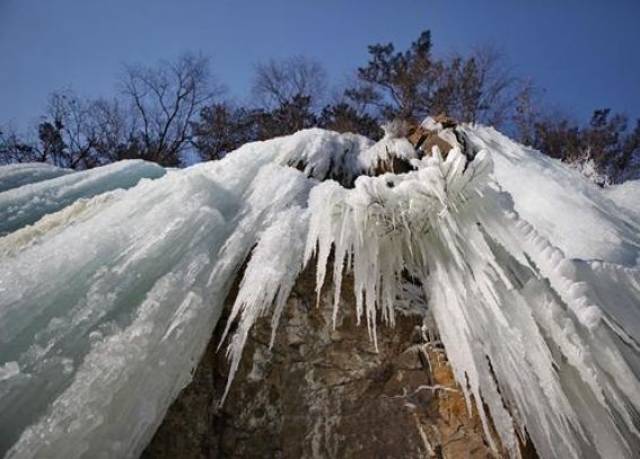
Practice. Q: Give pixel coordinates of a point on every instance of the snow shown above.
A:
(16, 175)
(109, 291)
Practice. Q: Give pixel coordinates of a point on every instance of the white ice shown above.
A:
(626, 195)
(15, 175)
(531, 274)
(28, 203)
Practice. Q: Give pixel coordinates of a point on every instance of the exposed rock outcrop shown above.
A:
(324, 393)
(425, 138)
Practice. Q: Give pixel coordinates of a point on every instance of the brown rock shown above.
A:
(425, 139)
(323, 393)
(446, 121)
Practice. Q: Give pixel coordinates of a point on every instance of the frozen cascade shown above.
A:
(626, 195)
(16, 175)
(108, 297)
(26, 204)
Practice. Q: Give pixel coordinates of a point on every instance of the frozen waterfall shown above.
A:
(112, 280)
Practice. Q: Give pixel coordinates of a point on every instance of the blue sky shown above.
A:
(584, 53)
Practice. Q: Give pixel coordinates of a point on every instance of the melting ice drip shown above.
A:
(530, 272)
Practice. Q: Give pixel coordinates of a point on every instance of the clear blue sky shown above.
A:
(586, 54)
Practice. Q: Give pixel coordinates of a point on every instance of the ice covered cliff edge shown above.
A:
(109, 291)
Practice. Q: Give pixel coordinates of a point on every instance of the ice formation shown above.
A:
(26, 204)
(108, 296)
(15, 175)
(626, 195)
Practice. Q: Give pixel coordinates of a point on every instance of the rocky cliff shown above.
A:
(321, 392)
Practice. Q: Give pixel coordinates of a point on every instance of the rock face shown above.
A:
(323, 393)
(425, 139)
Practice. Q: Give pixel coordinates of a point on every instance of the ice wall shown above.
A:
(108, 295)
(16, 175)
(28, 203)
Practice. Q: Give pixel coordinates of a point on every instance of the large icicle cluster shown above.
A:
(108, 296)
(548, 343)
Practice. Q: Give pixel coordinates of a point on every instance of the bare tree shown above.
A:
(495, 87)
(343, 117)
(222, 128)
(68, 132)
(15, 149)
(165, 99)
(289, 117)
(114, 129)
(65, 136)
(527, 112)
(277, 82)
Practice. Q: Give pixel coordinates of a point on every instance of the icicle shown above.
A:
(531, 275)
(268, 279)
